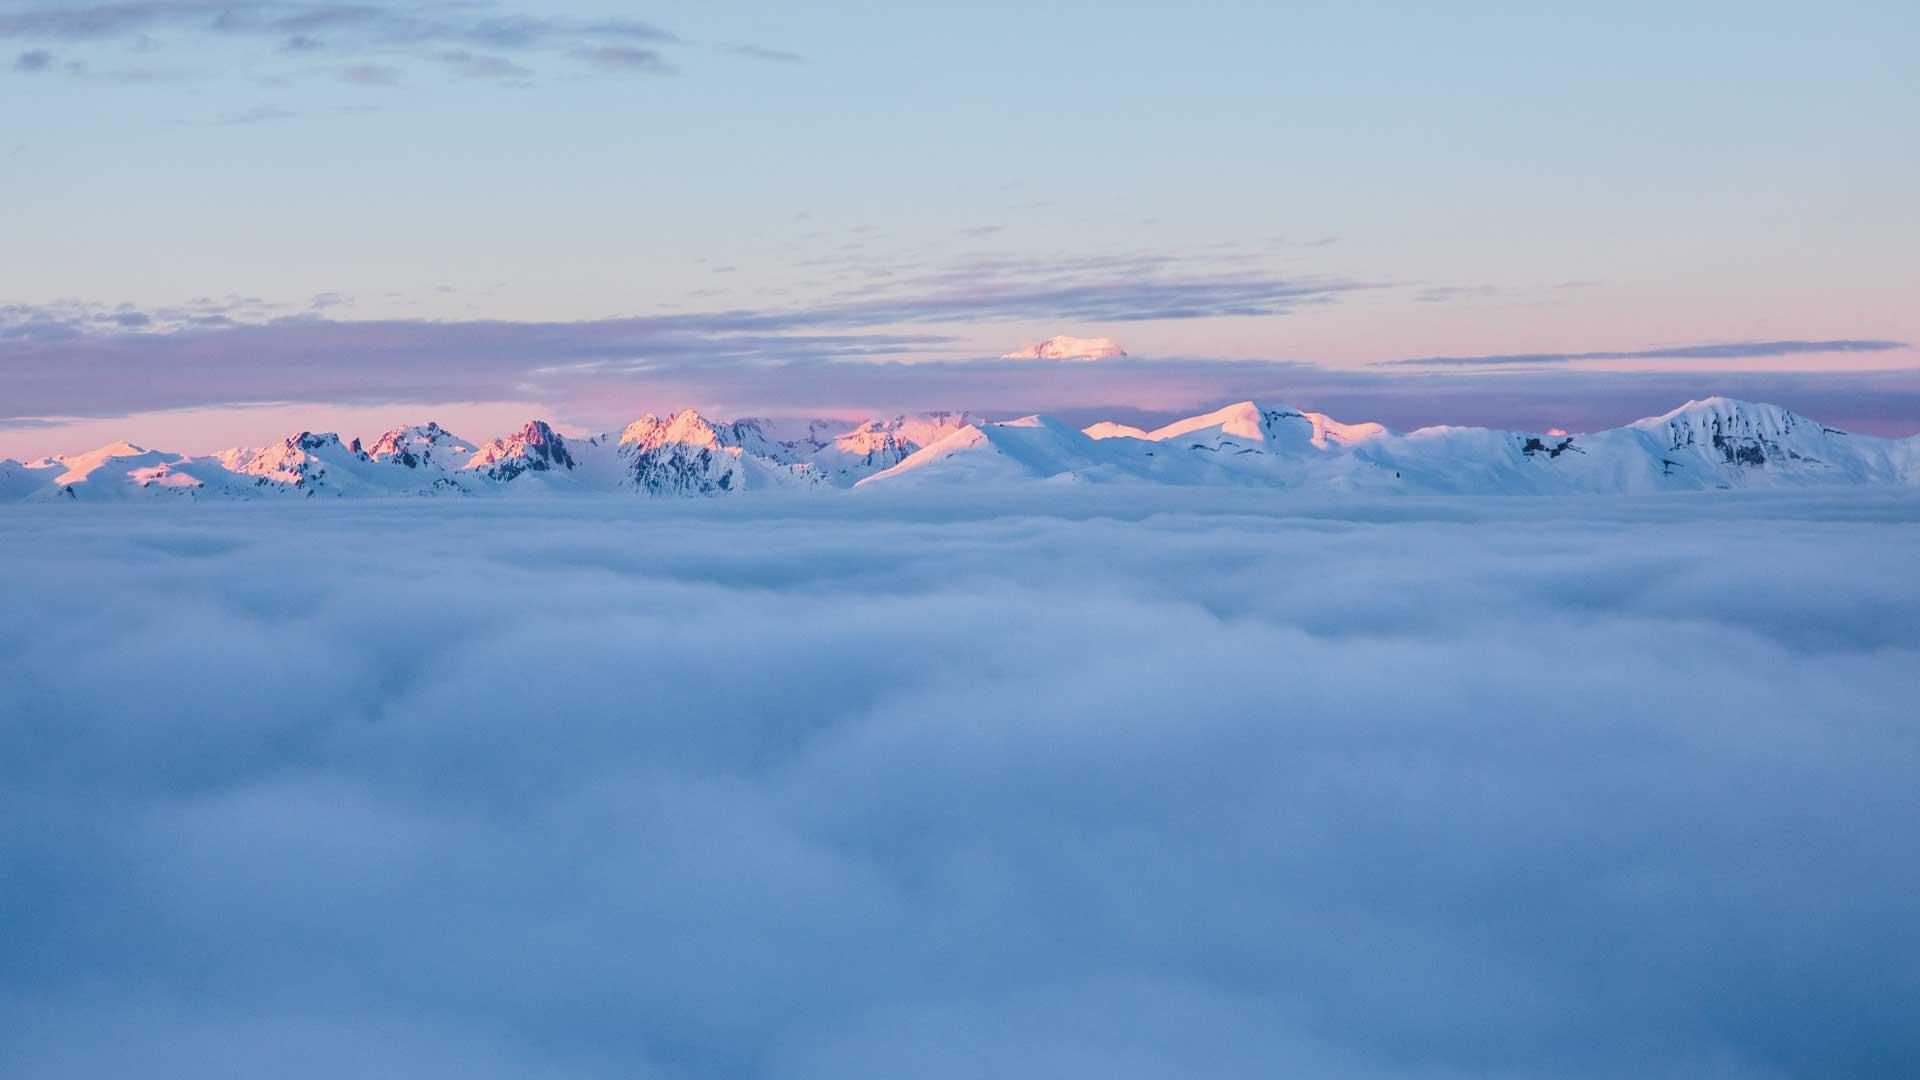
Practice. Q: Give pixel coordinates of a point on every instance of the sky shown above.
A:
(222, 215)
(1075, 784)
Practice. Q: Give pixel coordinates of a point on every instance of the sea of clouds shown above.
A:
(1195, 784)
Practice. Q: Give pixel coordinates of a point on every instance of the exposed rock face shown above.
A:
(1740, 433)
(1534, 445)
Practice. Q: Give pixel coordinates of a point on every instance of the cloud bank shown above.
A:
(885, 346)
(1209, 788)
(1733, 350)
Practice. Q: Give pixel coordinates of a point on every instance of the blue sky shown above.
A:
(1387, 181)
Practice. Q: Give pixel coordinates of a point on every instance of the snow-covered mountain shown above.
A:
(535, 450)
(1065, 347)
(1715, 443)
(423, 446)
(687, 454)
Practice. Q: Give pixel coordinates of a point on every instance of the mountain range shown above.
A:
(1702, 445)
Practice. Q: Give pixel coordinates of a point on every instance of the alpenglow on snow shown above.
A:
(1715, 443)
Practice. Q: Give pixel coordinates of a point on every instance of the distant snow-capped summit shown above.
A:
(1064, 347)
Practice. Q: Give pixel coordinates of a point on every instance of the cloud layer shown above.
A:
(883, 347)
(1200, 788)
(1732, 350)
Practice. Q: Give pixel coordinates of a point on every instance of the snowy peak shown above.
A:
(115, 470)
(687, 454)
(1271, 428)
(689, 428)
(650, 432)
(1241, 420)
(875, 445)
(535, 448)
(304, 461)
(925, 429)
(117, 449)
(78, 467)
(1031, 447)
(1729, 415)
(421, 446)
(1064, 347)
(1739, 432)
(844, 452)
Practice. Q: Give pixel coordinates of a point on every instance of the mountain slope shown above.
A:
(118, 472)
(1030, 448)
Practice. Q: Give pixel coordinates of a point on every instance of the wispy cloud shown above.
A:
(466, 37)
(757, 52)
(135, 75)
(627, 58)
(482, 66)
(1733, 350)
(263, 114)
(387, 23)
(369, 74)
(1443, 294)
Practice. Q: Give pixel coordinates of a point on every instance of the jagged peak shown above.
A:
(689, 428)
(685, 426)
(536, 447)
(537, 433)
(415, 443)
(310, 441)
